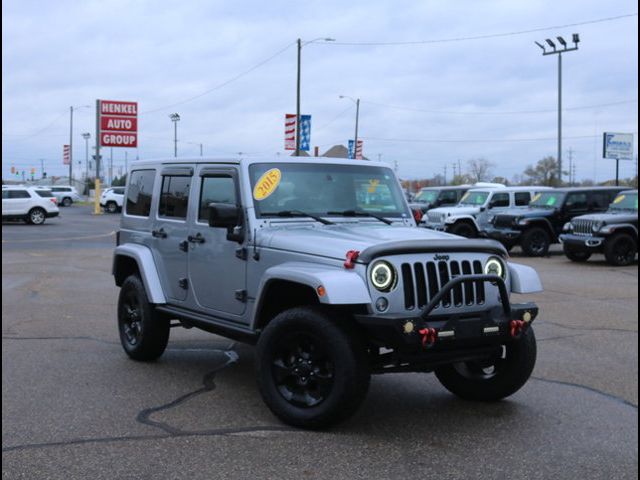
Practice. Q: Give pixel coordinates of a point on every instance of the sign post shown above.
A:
(618, 146)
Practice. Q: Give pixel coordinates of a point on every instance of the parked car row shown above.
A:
(31, 204)
(536, 217)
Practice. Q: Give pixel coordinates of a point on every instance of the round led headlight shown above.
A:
(568, 227)
(383, 276)
(597, 226)
(495, 266)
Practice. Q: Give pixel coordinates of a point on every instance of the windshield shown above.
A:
(427, 196)
(321, 188)
(547, 200)
(474, 198)
(625, 201)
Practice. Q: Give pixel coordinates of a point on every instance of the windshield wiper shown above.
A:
(297, 213)
(360, 213)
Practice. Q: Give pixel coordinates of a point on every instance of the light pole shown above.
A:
(355, 138)
(300, 45)
(71, 140)
(559, 52)
(86, 137)
(175, 118)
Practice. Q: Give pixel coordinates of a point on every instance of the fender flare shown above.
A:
(450, 221)
(342, 287)
(146, 266)
(544, 223)
(524, 279)
(625, 227)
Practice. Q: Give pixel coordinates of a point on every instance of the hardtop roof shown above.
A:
(252, 160)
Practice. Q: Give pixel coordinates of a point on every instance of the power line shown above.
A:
(350, 107)
(446, 112)
(489, 35)
(223, 84)
(505, 140)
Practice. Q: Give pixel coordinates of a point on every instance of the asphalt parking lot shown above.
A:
(74, 406)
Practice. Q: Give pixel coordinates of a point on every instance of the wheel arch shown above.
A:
(138, 259)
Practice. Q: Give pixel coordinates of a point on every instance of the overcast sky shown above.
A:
(424, 105)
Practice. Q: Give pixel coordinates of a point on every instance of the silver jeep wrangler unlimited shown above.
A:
(321, 265)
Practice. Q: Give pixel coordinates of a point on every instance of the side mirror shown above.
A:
(482, 209)
(223, 215)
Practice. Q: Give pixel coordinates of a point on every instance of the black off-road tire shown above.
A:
(576, 255)
(338, 357)
(469, 381)
(144, 333)
(620, 249)
(464, 229)
(535, 242)
(111, 207)
(36, 216)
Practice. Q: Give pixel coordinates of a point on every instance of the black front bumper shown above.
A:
(435, 337)
(587, 243)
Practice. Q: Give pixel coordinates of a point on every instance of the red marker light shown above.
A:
(417, 214)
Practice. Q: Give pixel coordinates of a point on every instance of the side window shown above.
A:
(522, 199)
(19, 194)
(576, 201)
(218, 189)
(500, 200)
(174, 196)
(449, 197)
(139, 193)
(601, 200)
(5, 194)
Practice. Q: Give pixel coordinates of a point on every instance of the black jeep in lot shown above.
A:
(614, 233)
(538, 226)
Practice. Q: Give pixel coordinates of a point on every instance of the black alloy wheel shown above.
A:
(620, 250)
(576, 255)
(536, 242)
(302, 371)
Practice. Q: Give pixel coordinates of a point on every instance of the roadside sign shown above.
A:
(290, 126)
(617, 146)
(118, 123)
(66, 150)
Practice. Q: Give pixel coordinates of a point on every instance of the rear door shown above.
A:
(170, 230)
(217, 266)
(17, 202)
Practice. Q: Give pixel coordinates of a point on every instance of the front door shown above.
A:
(217, 268)
(170, 231)
(15, 202)
(576, 204)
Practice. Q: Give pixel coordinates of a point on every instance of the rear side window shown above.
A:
(19, 194)
(522, 199)
(44, 193)
(139, 193)
(449, 197)
(174, 197)
(577, 201)
(118, 191)
(218, 189)
(601, 200)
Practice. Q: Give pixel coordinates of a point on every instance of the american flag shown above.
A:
(290, 132)
(358, 154)
(65, 154)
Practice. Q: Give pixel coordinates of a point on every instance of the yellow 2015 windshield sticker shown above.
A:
(619, 199)
(373, 185)
(267, 184)
(536, 197)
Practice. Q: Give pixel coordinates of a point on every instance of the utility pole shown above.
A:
(559, 52)
(70, 145)
(175, 118)
(570, 167)
(445, 175)
(111, 166)
(126, 162)
(41, 168)
(200, 149)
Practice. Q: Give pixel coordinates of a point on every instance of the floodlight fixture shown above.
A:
(551, 44)
(562, 42)
(576, 38)
(540, 45)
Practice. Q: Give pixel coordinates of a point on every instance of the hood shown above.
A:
(610, 217)
(457, 210)
(527, 212)
(334, 241)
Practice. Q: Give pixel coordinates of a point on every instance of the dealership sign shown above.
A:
(118, 123)
(618, 146)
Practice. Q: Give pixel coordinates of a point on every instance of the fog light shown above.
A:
(526, 317)
(409, 327)
(382, 304)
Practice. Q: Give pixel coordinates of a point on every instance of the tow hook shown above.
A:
(516, 327)
(429, 336)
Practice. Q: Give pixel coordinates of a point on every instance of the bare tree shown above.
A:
(543, 173)
(480, 169)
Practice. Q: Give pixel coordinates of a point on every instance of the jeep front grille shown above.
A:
(422, 281)
(583, 227)
(435, 217)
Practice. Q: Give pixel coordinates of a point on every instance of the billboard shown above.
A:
(118, 122)
(618, 146)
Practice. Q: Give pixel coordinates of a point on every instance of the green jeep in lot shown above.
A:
(614, 233)
(319, 264)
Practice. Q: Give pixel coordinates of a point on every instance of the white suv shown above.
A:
(31, 204)
(65, 194)
(112, 198)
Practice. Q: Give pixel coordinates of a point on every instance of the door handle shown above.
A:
(159, 233)
(184, 246)
(197, 239)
